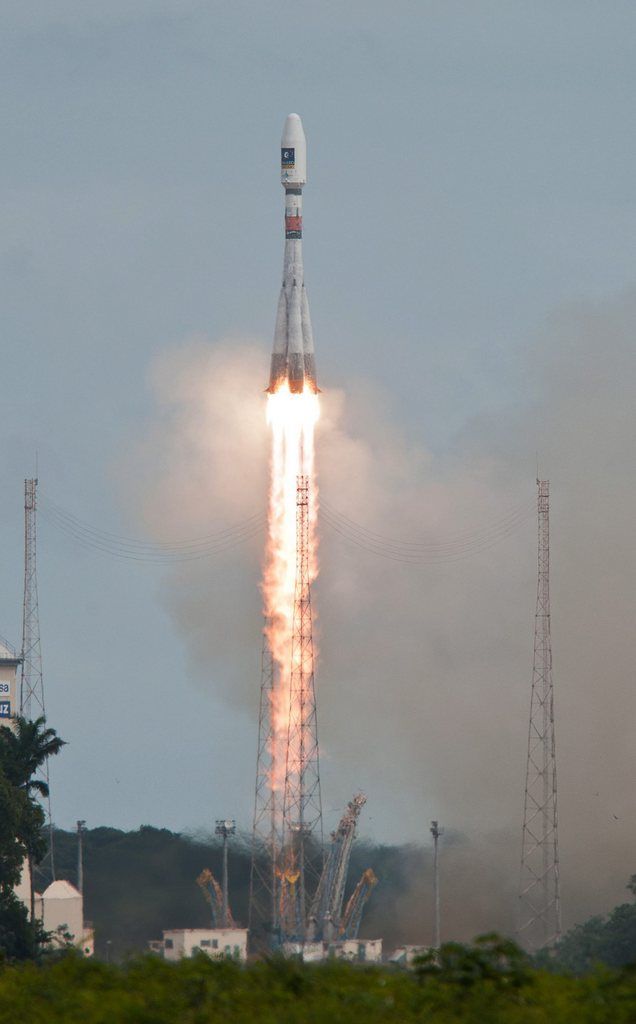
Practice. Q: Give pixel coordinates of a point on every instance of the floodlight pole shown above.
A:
(436, 832)
(81, 825)
(225, 827)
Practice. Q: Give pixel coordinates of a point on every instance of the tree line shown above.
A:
(23, 750)
(488, 982)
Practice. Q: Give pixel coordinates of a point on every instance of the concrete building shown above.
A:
(405, 955)
(23, 888)
(217, 943)
(9, 662)
(358, 951)
(308, 952)
(61, 910)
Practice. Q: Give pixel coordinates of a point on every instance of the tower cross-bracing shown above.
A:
(266, 831)
(31, 679)
(31, 684)
(539, 896)
(302, 807)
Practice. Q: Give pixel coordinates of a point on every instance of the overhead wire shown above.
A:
(134, 544)
(425, 559)
(154, 558)
(90, 537)
(462, 544)
(454, 541)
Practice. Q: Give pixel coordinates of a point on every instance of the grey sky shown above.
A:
(471, 176)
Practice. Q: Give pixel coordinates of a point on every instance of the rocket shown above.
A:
(293, 350)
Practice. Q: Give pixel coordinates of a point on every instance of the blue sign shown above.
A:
(5, 709)
(287, 157)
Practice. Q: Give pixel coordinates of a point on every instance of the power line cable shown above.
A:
(456, 541)
(439, 558)
(134, 544)
(160, 557)
(459, 545)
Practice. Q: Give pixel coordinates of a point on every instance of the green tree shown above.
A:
(12, 852)
(490, 958)
(23, 750)
(607, 940)
(15, 929)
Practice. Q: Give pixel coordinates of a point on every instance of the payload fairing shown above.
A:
(293, 360)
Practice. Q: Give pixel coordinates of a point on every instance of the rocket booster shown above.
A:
(293, 351)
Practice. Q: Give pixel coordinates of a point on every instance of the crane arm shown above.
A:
(329, 896)
(357, 901)
(213, 893)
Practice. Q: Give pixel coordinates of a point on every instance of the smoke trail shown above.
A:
(425, 671)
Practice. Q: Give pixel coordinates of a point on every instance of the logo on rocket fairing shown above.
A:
(287, 157)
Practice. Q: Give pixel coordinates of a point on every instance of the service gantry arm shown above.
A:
(214, 895)
(357, 901)
(326, 907)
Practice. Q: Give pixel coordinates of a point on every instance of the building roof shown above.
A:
(204, 931)
(61, 890)
(8, 653)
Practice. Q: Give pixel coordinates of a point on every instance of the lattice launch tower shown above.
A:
(539, 895)
(31, 679)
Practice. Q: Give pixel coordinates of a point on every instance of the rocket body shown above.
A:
(293, 361)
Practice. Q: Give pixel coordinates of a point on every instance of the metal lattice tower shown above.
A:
(266, 839)
(31, 680)
(539, 896)
(302, 808)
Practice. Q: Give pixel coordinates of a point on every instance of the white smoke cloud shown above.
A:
(424, 670)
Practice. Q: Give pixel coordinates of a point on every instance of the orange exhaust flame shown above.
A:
(292, 419)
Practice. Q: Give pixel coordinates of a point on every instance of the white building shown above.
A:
(61, 910)
(308, 952)
(23, 888)
(357, 951)
(9, 662)
(405, 955)
(61, 906)
(218, 943)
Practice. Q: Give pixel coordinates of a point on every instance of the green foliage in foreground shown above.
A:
(489, 983)
(23, 749)
(609, 940)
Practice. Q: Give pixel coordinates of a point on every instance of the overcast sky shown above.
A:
(470, 205)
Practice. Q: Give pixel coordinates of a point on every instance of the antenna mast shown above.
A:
(539, 895)
(31, 681)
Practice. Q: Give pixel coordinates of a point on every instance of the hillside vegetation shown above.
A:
(138, 883)
(476, 985)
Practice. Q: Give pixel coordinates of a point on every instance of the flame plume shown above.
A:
(292, 419)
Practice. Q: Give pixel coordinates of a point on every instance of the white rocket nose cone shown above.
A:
(292, 130)
(293, 146)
